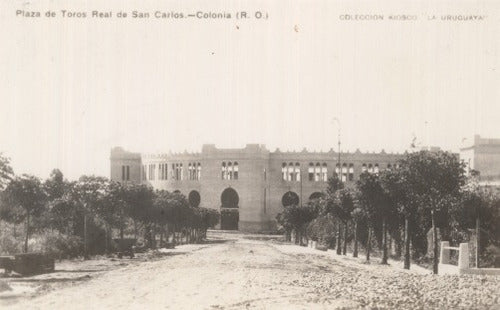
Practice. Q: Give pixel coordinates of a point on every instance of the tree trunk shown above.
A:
(161, 236)
(344, 249)
(27, 232)
(174, 239)
(435, 241)
(384, 240)
(355, 250)
(397, 244)
(368, 244)
(85, 238)
(303, 235)
(407, 244)
(135, 229)
(106, 237)
(121, 232)
(478, 240)
(296, 236)
(168, 233)
(339, 241)
(153, 236)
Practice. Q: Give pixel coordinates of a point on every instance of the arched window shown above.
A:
(235, 169)
(344, 172)
(317, 172)
(370, 168)
(337, 169)
(351, 172)
(297, 172)
(223, 175)
(290, 174)
(290, 171)
(389, 167)
(376, 169)
(229, 170)
(310, 172)
(194, 171)
(363, 168)
(324, 172)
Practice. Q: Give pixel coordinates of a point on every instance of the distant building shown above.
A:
(250, 186)
(483, 156)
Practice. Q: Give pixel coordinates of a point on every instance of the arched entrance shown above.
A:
(194, 199)
(229, 212)
(289, 199)
(316, 195)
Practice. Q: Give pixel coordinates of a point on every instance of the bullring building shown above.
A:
(249, 186)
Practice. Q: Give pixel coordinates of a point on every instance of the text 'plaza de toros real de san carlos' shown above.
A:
(249, 186)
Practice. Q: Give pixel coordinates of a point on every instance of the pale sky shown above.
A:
(70, 89)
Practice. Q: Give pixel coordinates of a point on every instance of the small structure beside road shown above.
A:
(27, 263)
(463, 261)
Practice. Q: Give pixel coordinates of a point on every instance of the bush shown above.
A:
(491, 257)
(323, 230)
(57, 245)
(11, 238)
(9, 245)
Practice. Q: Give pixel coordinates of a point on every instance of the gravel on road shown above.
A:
(234, 272)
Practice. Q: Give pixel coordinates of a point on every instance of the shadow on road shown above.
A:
(215, 241)
(77, 270)
(53, 280)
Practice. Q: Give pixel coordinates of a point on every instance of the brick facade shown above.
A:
(261, 182)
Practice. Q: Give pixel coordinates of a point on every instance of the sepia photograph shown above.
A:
(294, 154)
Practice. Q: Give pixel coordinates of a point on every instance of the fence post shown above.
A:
(444, 255)
(463, 256)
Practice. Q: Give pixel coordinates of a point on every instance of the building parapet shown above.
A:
(119, 153)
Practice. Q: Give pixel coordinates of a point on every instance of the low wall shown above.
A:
(481, 271)
(463, 261)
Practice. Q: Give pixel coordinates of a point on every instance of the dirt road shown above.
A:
(233, 272)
